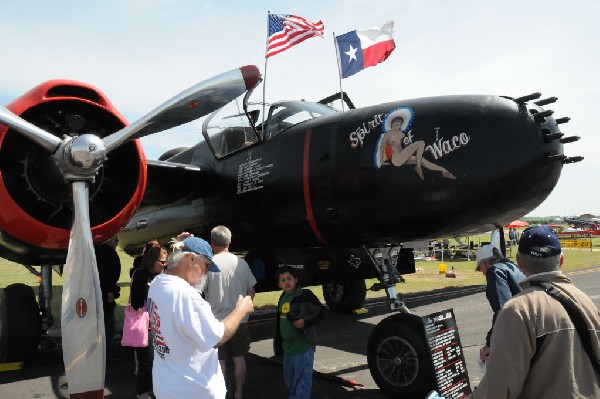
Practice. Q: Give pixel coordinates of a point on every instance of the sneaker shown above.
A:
(146, 395)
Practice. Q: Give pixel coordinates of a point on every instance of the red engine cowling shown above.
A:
(35, 201)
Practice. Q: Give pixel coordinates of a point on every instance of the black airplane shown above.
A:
(338, 195)
(582, 222)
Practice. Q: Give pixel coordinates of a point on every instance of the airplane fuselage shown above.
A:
(348, 179)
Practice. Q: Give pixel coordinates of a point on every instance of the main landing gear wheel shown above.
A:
(399, 360)
(345, 296)
(20, 324)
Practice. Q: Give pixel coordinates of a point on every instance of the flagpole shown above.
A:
(337, 53)
(265, 79)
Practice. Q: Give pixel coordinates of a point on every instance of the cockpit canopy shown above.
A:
(285, 114)
(235, 126)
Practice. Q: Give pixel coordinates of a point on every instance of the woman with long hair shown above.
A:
(152, 264)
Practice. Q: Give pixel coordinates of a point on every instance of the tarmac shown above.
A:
(340, 358)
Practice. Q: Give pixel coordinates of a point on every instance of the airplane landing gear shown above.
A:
(398, 357)
(345, 296)
(23, 321)
(397, 352)
(385, 261)
(19, 324)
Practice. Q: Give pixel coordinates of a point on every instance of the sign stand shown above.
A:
(447, 356)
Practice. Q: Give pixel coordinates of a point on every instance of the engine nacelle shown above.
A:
(35, 201)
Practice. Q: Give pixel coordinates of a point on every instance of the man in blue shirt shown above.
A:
(503, 277)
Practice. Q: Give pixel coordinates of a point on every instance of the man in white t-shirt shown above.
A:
(184, 329)
(221, 292)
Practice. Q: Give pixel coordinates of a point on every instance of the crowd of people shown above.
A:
(199, 296)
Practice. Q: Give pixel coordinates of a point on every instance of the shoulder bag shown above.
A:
(135, 325)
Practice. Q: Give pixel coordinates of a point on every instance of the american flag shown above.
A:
(286, 31)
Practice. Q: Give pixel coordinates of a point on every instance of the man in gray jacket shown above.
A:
(536, 351)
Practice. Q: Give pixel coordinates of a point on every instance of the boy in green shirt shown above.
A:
(297, 313)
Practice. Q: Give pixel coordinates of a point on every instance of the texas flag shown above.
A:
(363, 48)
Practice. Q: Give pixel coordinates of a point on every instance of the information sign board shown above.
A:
(447, 355)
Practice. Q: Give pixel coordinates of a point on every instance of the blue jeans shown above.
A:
(297, 373)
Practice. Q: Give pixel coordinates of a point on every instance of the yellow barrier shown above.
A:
(442, 268)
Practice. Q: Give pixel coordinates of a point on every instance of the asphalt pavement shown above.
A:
(339, 359)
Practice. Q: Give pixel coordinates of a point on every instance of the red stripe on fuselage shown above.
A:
(306, 185)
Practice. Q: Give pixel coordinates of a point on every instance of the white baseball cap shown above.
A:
(484, 252)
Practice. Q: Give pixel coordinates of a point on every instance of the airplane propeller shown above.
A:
(79, 158)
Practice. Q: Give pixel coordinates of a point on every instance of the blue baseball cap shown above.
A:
(201, 247)
(539, 242)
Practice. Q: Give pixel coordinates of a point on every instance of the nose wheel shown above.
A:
(399, 360)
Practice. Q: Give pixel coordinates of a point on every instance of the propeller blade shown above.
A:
(82, 315)
(32, 132)
(193, 103)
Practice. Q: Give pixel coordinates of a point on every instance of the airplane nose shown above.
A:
(461, 163)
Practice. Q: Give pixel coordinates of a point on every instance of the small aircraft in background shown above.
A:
(572, 232)
(588, 222)
(338, 195)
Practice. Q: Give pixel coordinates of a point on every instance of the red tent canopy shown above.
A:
(516, 224)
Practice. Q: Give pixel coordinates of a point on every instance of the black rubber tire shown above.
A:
(400, 361)
(20, 324)
(345, 296)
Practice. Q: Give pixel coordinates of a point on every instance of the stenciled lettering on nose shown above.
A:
(386, 145)
(442, 147)
(357, 137)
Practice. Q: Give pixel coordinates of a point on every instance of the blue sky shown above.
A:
(141, 53)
